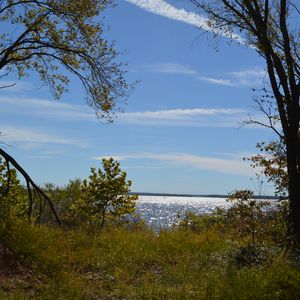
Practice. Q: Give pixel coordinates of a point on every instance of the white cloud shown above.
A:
(214, 117)
(250, 78)
(31, 138)
(33, 102)
(47, 154)
(51, 109)
(253, 77)
(220, 165)
(193, 117)
(168, 68)
(205, 117)
(250, 73)
(165, 9)
(227, 82)
(175, 114)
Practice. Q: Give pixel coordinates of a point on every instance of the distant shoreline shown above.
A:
(198, 195)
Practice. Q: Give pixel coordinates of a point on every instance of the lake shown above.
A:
(162, 211)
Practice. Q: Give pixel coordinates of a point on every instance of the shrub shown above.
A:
(248, 216)
(13, 200)
(105, 196)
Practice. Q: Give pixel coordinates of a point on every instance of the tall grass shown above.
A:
(118, 263)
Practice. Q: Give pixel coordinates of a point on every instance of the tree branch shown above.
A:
(29, 183)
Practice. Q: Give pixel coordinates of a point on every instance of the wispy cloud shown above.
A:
(220, 165)
(46, 108)
(219, 81)
(214, 117)
(202, 117)
(253, 77)
(249, 78)
(183, 113)
(168, 68)
(192, 117)
(47, 154)
(165, 9)
(31, 138)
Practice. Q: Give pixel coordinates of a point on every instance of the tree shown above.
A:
(272, 160)
(247, 214)
(12, 198)
(57, 39)
(63, 198)
(272, 155)
(270, 28)
(105, 196)
(53, 36)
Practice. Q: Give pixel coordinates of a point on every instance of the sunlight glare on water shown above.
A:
(162, 211)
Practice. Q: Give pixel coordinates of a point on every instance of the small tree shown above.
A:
(247, 214)
(105, 196)
(63, 198)
(12, 198)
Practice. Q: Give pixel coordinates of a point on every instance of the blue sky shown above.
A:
(179, 132)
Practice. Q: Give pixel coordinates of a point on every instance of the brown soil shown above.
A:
(14, 275)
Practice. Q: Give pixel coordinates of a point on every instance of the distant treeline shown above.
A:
(199, 195)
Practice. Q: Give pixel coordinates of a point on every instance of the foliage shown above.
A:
(258, 221)
(272, 160)
(248, 215)
(63, 198)
(279, 228)
(202, 222)
(105, 196)
(12, 195)
(58, 40)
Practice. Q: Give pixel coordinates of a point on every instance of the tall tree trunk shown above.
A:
(293, 166)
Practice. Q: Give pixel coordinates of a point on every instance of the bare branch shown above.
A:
(7, 86)
(30, 183)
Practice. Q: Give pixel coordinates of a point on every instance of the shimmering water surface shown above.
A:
(162, 211)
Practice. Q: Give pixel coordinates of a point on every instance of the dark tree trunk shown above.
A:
(293, 166)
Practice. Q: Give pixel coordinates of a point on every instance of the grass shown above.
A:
(119, 263)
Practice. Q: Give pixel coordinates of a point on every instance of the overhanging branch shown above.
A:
(30, 185)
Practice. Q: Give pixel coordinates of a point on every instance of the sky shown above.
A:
(180, 131)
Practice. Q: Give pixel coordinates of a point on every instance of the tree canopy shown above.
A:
(56, 39)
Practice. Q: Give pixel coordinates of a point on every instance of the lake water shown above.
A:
(162, 211)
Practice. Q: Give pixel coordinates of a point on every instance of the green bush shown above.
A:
(248, 216)
(201, 222)
(105, 196)
(13, 198)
